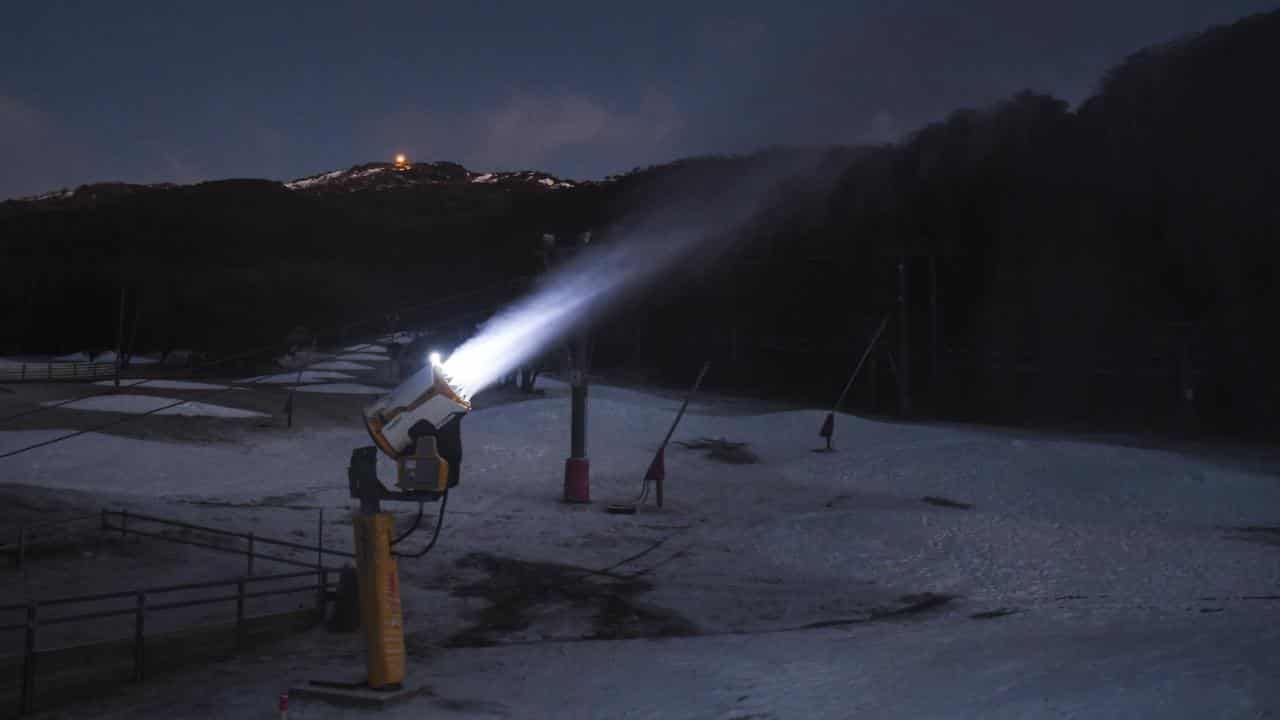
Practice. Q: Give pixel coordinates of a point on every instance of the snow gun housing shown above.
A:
(418, 425)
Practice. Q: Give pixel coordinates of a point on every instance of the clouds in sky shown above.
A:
(579, 92)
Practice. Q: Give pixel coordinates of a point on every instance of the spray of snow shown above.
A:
(567, 299)
(687, 220)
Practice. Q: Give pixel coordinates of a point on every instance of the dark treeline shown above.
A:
(1116, 262)
(1112, 262)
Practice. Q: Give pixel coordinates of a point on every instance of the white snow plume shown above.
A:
(568, 298)
(688, 221)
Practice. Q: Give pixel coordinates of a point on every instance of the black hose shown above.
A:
(412, 527)
(435, 535)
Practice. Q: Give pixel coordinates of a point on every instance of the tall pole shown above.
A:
(577, 468)
(578, 380)
(133, 328)
(934, 339)
(904, 341)
(829, 422)
(119, 337)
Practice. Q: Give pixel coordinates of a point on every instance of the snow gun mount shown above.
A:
(418, 425)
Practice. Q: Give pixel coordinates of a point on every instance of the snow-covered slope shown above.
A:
(1071, 579)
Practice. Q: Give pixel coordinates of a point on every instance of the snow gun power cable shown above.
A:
(435, 534)
(630, 508)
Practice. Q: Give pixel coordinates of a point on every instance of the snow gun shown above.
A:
(418, 425)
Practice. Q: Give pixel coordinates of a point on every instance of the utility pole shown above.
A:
(577, 485)
(577, 468)
(904, 341)
(934, 339)
(119, 338)
(133, 329)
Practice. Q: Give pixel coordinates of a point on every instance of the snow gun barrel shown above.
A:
(428, 396)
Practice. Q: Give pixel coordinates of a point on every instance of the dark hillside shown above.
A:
(1112, 263)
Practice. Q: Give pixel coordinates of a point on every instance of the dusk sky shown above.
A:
(182, 92)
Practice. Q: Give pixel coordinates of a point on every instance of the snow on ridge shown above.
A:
(359, 177)
(60, 194)
(304, 183)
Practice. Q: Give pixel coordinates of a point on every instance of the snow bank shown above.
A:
(289, 378)
(340, 365)
(135, 404)
(163, 384)
(403, 337)
(344, 389)
(77, 357)
(375, 357)
(366, 348)
(301, 359)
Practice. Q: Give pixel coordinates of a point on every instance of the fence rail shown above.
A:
(128, 524)
(34, 372)
(27, 536)
(34, 620)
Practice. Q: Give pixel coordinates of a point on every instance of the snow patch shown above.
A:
(164, 384)
(344, 389)
(137, 404)
(340, 365)
(289, 378)
(375, 357)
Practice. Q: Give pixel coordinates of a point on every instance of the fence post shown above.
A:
(240, 614)
(29, 660)
(24, 371)
(49, 369)
(139, 646)
(322, 592)
(250, 559)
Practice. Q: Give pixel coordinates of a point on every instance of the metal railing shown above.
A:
(34, 620)
(46, 371)
(129, 525)
(27, 536)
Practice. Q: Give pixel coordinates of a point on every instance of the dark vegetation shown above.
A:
(1114, 262)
